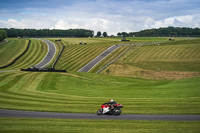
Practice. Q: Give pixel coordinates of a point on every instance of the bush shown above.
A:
(108, 71)
(3, 35)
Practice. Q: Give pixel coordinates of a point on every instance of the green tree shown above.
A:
(124, 34)
(119, 34)
(3, 35)
(98, 34)
(105, 34)
(87, 34)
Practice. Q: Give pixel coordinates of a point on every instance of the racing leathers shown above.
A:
(111, 104)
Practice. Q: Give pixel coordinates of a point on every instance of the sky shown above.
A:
(111, 16)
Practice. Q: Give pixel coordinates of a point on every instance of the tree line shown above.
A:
(164, 32)
(3, 35)
(12, 32)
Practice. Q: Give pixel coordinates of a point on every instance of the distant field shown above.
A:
(76, 56)
(10, 50)
(180, 55)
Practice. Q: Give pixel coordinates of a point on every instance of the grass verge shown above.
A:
(21, 125)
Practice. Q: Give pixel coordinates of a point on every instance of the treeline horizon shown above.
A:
(162, 32)
(165, 32)
(13, 32)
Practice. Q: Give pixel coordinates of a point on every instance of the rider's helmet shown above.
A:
(111, 100)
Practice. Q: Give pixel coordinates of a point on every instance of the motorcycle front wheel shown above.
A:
(99, 112)
(117, 111)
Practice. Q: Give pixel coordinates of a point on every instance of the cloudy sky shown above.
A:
(111, 16)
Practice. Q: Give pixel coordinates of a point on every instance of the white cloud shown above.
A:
(106, 15)
(65, 24)
(185, 19)
(12, 23)
(179, 21)
(163, 23)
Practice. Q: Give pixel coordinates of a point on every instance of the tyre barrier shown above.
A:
(58, 57)
(43, 70)
(18, 56)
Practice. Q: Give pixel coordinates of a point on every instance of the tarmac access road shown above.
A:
(95, 61)
(50, 54)
(32, 114)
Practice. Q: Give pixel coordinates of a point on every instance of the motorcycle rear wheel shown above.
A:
(99, 112)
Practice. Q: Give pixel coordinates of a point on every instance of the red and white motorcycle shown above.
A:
(105, 109)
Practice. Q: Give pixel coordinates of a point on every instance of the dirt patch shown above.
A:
(168, 74)
(122, 70)
(131, 71)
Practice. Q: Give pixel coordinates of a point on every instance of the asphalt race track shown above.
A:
(95, 61)
(32, 114)
(51, 53)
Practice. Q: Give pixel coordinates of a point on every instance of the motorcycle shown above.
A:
(105, 109)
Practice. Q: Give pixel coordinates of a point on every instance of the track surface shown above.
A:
(32, 114)
(49, 56)
(95, 61)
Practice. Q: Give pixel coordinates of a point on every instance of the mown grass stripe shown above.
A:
(9, 78)
(71, 58)
(86, 58)
(80, 56)
(28, 58)
(66, 56)
(164, 54)
(39, 52)
(24, 58)
(32, 56)
(14, 81)
(10, 50)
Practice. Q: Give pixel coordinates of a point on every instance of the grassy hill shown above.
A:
(55, 91)
(10, 50)
(76, 56)
(178, 58)
(82, 92)
(34, 55)
(132, 81)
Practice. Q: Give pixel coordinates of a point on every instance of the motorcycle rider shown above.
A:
(111, 103)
